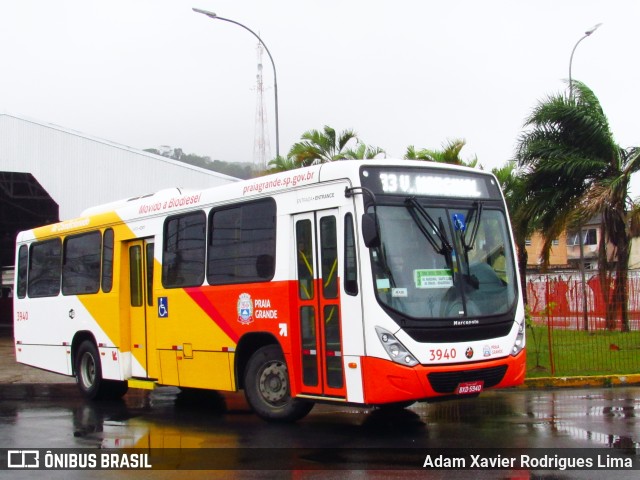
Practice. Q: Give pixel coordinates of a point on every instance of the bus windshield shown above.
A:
(437, 262)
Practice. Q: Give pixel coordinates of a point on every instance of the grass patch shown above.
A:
(579, 353)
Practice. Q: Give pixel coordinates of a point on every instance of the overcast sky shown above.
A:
(146, 73)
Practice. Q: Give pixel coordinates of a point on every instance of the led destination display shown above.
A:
(434, 183)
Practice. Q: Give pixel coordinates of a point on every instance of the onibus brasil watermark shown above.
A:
(553, 459)
(38, 459)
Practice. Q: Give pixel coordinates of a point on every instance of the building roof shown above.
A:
(79, 170)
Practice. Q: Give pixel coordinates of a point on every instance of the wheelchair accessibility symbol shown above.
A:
(163, 307)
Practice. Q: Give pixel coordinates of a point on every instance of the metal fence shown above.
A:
(562, 342)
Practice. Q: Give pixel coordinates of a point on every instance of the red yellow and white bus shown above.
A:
(378, 282)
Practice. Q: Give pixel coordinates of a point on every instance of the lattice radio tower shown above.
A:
(261, 148)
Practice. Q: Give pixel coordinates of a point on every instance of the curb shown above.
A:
(601, 381)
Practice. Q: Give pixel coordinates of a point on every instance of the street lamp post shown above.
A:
(275, 78)
(586, 34)
(585, 313)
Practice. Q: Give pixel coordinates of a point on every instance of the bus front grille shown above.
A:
(446, 382)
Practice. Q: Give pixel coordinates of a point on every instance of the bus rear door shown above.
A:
(140, 259)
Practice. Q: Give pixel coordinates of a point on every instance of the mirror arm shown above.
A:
(350, 192)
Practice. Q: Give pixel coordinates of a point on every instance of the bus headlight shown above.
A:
(396, 351)
(518, 345)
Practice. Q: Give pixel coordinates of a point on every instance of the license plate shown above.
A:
(467, 388)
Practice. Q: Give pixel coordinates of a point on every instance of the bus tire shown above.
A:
(266, 387)
(88, 370)
(89, 375)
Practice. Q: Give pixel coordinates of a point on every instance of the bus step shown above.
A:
(144, 384)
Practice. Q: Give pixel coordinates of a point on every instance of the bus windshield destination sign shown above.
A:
(426, 182)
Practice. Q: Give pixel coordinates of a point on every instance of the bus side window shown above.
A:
(81, 263)
(183, 254)
(350, 259)
(107, 261)
(242, 243)
(23, 257)
(45, 267)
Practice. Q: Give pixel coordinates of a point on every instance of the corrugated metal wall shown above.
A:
(79, 171)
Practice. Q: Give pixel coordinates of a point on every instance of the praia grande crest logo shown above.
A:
(245, 309)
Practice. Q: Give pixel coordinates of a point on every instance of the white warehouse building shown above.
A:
(49, 173)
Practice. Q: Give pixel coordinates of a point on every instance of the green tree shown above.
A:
(317, 146)
(322, 146)
(281, 164)
(450, 153)
(574, 170)
(363, 151)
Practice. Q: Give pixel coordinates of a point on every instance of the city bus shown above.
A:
(377, 283)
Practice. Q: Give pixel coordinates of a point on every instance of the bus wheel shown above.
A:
(266, 387)
(89, 375)
(88, 370)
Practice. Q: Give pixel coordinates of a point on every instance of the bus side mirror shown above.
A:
(370, 230)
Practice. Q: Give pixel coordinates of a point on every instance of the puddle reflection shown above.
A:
(170, 418)
(558, 413)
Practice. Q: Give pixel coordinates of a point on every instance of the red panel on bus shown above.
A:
(386, 381)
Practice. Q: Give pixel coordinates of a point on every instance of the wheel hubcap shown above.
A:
(273, 383)
(88, 370)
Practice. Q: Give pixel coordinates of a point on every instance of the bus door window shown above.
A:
(135, 275)
(304, 252)
(149, 261)
(304, 241)
(329, 255)
(331, 314)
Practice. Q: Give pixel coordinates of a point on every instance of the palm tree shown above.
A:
(450, 153)
(574, 170)
(364, 151)
(281, 164)
(321, 146)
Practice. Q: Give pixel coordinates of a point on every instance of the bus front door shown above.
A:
(140, 260)
(316, 240)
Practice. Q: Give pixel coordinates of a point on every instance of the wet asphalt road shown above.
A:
(523, 419)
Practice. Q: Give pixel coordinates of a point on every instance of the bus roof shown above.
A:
(173, 199)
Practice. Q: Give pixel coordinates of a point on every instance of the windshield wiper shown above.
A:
(438, 230)
(461, 233)
(476, 214)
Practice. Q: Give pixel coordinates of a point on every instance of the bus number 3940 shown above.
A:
(440, 354)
